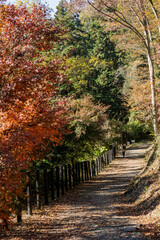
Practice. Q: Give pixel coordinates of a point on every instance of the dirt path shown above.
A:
(90, 211)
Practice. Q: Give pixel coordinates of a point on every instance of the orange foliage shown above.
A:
(28, 120)
(140, 99)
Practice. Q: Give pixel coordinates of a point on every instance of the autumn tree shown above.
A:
(140, 17)
(89, 130)
(93, 61)
(93, 71)
(30, 115)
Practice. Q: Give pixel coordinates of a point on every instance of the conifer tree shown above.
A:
(93, 61)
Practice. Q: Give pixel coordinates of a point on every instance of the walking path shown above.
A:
(91, 211)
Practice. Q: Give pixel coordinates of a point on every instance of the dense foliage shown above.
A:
(93, 81)
(27, 86)
(63, 88)
(93, 61)
(139, 18)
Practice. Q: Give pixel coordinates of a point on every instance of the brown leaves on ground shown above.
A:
(92, 210)
(143, 196)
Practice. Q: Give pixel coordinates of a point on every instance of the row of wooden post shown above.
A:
(49, 184)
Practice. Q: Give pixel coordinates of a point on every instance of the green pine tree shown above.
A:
(93, 61)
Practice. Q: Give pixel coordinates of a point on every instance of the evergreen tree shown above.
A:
(93, 61)
(74, 38)
(92, 73)
(108, 81)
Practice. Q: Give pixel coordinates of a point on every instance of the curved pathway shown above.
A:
(91, 211)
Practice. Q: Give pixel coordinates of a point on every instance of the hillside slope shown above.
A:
(143, 194)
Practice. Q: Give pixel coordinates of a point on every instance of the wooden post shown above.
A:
(87, 175)
(97, 166)
(70, 181)
(66, 178)
(29, 200)
(85, 171)
(5, 224)
(57, 182)
(19, 210)
(38, 190)
(93, 168)
(76, 173)
(102, 162)
(52, 183)
(45, 187)
(108, 157)
(91, 163)
(100, 167)
(114, 151)
(62, 181)
(82, 172)
(104, 157)
(89, 170)
(19, 216)
(73, 174)
(79, 177)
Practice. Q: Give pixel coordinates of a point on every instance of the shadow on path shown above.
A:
(91, 210)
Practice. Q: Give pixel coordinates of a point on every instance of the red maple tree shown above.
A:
(30, 115)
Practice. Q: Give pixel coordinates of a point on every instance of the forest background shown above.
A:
(74, 84)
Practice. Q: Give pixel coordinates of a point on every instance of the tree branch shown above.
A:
(122, 21)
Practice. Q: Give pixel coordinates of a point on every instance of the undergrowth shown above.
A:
(144, 194)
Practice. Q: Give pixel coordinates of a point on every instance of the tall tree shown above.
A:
(28, 84)
(140, 17)
(89, 126)
(74, 41)
(93, 61)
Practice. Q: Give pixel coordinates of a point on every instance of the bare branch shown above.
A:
(120, 20)
(155, 14)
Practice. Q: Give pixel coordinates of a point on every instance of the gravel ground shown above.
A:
(91, 211)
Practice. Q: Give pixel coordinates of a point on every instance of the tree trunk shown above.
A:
(148, 45)
(152, 83)
(155, 14)
(118, 16)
